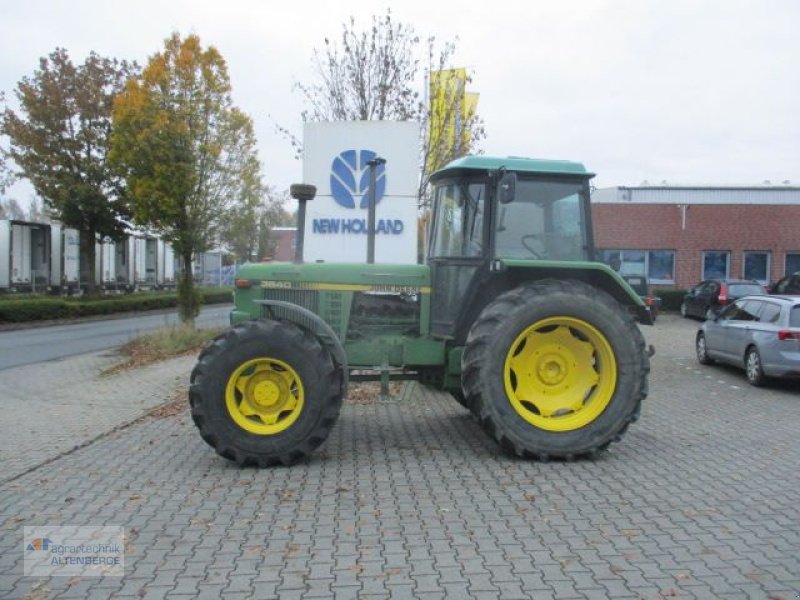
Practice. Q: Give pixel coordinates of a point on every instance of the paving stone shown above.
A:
(410, 499)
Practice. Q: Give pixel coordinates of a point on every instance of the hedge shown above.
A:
(37, 308)
(671, 298)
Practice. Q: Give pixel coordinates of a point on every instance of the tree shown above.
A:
(60, 139)
(247, 231)
(38, 211)
(374, 74)
(272, 213)
(185, 151)
(239, 227)
(6, 174)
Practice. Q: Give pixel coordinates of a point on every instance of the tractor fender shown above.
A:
(301, 316)
(596, 274)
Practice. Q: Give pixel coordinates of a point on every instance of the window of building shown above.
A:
(716, 264)
(661, 266)
(657, 265)
(756, 266)
(792, 263)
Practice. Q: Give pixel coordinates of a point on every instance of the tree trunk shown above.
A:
(188, 296)
(87, 252)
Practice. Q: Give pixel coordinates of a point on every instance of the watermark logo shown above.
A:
(39, 544)
(350, 178)
(74, 550)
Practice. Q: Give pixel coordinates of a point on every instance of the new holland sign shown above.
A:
(335, 160)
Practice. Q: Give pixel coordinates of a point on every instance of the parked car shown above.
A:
(760, 334)
(639, 285)
(788, 285)
(708, 297)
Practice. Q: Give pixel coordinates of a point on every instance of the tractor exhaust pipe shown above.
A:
(302, 192)
(373, 167)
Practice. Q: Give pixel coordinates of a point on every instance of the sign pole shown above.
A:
(373, 166)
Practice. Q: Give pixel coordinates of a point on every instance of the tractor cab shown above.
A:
(495, 219)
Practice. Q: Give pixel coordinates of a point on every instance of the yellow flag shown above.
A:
(450, 110)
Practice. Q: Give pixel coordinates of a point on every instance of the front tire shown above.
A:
(264, 393)
(701, 349)
(555, 369)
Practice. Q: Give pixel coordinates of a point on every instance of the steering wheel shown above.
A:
(524, 242)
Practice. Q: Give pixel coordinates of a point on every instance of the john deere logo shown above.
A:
(350, 178)
(39, 544)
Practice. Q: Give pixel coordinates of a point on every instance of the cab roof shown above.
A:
(512, 163)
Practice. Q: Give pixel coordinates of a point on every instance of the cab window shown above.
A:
(458, 230)
(545, 221)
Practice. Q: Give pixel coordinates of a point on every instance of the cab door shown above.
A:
(457, 251)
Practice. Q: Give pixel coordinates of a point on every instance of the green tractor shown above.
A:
(510, 315)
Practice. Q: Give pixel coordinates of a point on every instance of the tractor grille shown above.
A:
(308, 299)
(328, 305)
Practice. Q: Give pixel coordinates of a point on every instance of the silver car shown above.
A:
(760, 334)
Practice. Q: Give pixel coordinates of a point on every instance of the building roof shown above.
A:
(698, 194)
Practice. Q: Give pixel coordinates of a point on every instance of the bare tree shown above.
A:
(376, 74)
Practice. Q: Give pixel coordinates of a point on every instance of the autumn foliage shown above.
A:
(186, 153)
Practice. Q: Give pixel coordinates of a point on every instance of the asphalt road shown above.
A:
(27, 346)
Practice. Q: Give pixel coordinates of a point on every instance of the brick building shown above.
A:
(678, 236)
(284, 243)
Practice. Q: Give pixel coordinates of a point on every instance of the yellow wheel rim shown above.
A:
(264, 396)
(560, 374)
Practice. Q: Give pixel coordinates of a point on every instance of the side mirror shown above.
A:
(507, 187)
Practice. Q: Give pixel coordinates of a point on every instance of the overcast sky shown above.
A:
(682, 91)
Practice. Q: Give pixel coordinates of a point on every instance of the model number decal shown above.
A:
(286, 285)
(345, 287)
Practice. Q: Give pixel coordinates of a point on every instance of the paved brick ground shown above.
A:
(49, 408)
(409, 499)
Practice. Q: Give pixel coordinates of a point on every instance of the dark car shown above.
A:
(760, 334)
(789, 285)
(707, 298)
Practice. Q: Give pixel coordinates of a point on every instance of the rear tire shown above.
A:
(458, 396)
(555, 369)
(753, 367)
(264, 393)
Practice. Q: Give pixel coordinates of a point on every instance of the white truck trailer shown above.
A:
(25, 256)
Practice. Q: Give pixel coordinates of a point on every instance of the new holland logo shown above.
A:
(350, 178)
